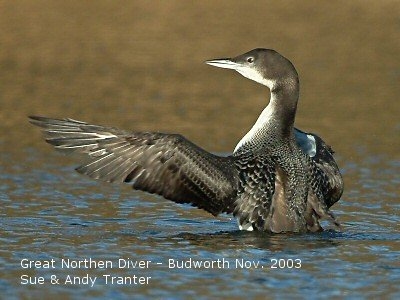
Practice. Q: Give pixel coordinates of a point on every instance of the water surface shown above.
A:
(70, 217)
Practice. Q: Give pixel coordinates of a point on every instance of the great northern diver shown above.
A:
(278, 179)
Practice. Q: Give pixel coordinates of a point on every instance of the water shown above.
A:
(139, 66)
(70, 217)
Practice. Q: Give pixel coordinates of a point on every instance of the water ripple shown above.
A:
(51, 213)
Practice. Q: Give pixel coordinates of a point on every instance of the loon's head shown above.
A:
(264, 66)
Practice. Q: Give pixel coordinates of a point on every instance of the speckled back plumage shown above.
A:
(279, 174)
(255, 190)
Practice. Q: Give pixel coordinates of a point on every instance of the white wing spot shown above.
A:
(306, 142)
(246, 226)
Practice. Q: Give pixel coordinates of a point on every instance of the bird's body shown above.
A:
(278, 179)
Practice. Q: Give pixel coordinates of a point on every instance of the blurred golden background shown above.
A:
(139, 65)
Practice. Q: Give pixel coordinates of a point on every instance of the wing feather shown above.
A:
(165, 164)
(257, 187)
(327, 173)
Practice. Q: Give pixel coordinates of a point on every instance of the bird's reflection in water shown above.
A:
(240, 240)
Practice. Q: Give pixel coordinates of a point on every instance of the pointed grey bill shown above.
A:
(225, 63)
(245, 70)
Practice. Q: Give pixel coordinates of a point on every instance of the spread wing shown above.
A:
(332, 179)
(327, 171)
(164, 164)
(326, 180)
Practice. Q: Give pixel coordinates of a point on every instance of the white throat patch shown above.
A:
(263, 119)
(256, 76)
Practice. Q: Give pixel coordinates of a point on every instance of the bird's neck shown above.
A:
(283, 107)
(276, 121)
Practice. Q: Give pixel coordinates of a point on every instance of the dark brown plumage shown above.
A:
(164, 164)
(279, 179)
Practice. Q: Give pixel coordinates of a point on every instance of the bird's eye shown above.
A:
(250, 59)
